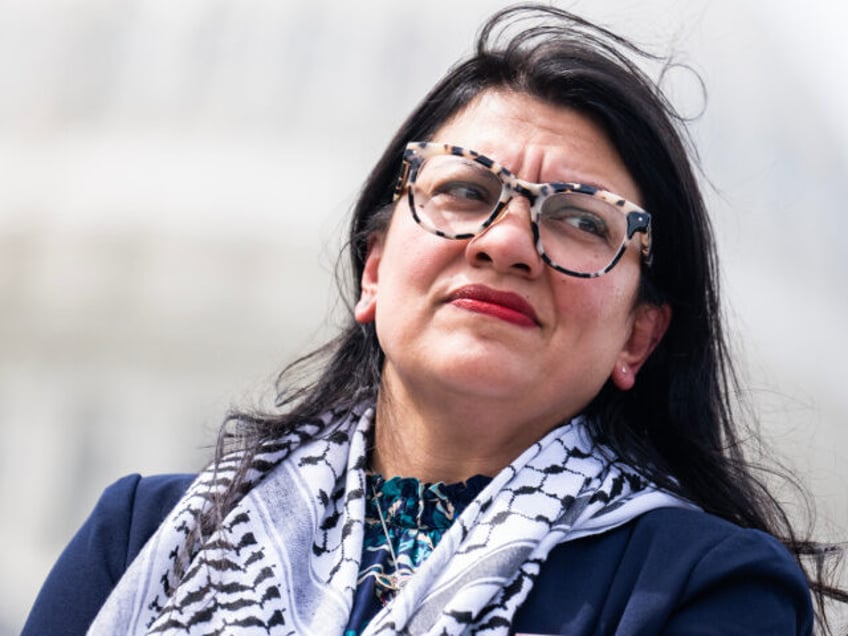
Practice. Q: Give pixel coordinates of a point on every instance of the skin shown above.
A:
(465, 392)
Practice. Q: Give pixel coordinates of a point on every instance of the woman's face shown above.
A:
(484, 321)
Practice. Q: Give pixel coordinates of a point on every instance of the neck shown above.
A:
(437, 440)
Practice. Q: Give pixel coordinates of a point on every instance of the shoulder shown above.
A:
(126, 515)
(140, 504)
(701, 537)
(742, 576)
(670, 570)
(738, 576)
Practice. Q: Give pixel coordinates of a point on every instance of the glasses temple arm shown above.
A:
(401, 182)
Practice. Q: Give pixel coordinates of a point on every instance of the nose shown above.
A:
(507, 244)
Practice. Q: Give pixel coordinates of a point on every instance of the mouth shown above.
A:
(506, 306)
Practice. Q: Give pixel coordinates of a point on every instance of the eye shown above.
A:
(455, 184)
(587, 222)
(465, 191)
(571, 218)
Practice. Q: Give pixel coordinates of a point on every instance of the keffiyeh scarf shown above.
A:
(286, 557)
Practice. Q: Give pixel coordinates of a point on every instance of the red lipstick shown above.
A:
(506, 306)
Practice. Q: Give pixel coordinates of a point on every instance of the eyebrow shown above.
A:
(590, 183)
(594, 184)
(485, 161)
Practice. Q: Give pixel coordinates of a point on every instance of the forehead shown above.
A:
(539, 141)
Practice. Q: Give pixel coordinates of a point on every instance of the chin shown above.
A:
(484, 377)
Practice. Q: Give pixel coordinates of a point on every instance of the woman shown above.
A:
(525, 427)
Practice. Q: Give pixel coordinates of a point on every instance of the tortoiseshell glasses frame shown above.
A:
(578, 230)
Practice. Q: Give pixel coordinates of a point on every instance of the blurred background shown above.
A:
(175, 177)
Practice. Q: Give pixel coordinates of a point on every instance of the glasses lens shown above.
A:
(581, 233)
(454, 196)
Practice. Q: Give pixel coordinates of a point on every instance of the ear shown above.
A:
(649, 325)
(365, 310)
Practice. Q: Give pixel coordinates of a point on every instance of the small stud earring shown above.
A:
(624, 369)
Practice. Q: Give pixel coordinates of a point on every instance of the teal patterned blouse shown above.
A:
(416, 515)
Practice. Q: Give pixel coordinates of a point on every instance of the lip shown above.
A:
(507, 306)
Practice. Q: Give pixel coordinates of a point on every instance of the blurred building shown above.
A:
(174, 179)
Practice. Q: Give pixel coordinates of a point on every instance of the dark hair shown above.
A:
(678, 422)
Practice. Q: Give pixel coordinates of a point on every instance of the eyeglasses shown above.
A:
(579, 230)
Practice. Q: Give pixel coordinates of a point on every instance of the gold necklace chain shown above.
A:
(397, 579)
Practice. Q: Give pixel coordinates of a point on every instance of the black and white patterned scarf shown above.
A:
(286, 558)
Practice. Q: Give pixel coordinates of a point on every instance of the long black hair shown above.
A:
(678, 422)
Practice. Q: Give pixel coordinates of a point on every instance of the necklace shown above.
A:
(397, 579)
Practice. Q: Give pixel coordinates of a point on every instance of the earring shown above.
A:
(624, 369)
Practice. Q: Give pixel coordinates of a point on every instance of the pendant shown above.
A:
(393, 582)
(387, 586)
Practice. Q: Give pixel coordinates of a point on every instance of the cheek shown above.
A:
(596, 313)
(591, 298)
(412, 274)
(415, 258)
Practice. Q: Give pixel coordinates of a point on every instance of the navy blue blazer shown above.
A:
(670, 571)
